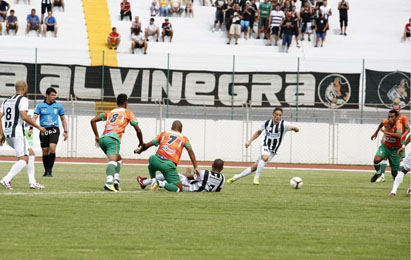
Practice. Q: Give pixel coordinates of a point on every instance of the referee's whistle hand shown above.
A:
(42, 130)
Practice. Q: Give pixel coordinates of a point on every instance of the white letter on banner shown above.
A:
(145, 85)
(197, 84)
(125, 87)
(272, 85)
(7, 82)
(61, 80)
(79, 85)
(306, 90)
(159, 83)
(240, 92)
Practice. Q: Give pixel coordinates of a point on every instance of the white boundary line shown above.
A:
(232, 167)
(68, 193)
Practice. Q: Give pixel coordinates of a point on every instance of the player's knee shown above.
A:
(180, 186)
(31, 152)
(265, 158)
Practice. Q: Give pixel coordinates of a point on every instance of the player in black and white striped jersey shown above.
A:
(14, 109)
(208, 181)
(274, 130)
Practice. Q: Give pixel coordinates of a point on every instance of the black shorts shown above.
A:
(219, 16)
(227, 24)
(407, 34)
(50, 28)
(343, 21)
(57, 3)
(12, 27)
(50, 137)
(44, 7)
(167, 33)
(139, 46)
(275, 30)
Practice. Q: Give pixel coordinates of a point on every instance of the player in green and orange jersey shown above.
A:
(117, 121)
(392, 130)
(406, 130)
(170, 146)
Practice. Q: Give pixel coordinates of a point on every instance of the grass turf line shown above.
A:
(336, 215)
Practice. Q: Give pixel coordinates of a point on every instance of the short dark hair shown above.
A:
(11, 11)
(113, 28)
(396, 104)
(152, 19)
(121, 99)
(50, 90)
(278, 109)
(393, 111)
(218, 164)
(33, 10)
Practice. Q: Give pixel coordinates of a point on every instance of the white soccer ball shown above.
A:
(296, 183)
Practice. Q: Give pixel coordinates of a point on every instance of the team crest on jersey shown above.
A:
(55, 111)
(394, 88)
(44, 111)
(168, 149)
(334, 91)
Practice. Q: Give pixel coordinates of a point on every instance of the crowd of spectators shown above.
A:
(33, 22)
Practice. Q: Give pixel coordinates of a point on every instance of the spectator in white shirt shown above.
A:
(325, 10)
(152, 30)
(138, 41)
(276, 18)
(155, 7)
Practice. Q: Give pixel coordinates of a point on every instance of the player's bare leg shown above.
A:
(243, 174)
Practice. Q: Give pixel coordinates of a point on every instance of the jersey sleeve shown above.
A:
(287, 126)
(406, 123)
(61, 110)
(24, 104)
(132, 118)
(186, 142)
(262, 127)
(104, 116)
(157, 140)
(37, 109)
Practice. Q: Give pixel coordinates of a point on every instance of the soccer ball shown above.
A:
(296, 183)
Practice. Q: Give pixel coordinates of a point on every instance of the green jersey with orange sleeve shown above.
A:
(117, 121)
(403, 119)
(170, 145)
(390, 141)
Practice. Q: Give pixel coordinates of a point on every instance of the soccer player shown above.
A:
(15, 109)
(275, 130)
(209, 181)
(170, 147)
(49, 111)
(406, 130)
(117, 121)
(392, 130)
(405, 170)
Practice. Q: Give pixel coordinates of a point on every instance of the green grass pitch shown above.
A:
(336, 215)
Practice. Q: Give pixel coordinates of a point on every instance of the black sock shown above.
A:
(46, 162)
(52, 158)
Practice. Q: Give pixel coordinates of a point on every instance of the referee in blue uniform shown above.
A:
(50, 111)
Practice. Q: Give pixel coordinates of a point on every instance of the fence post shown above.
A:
(362, 89)
(168, 80)
(232, 89)
(298, 87)
(102, 82)
(35, 75)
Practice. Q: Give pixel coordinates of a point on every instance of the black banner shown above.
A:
(383, 88)
(193, 88)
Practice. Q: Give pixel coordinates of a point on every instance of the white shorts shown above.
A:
(19, 144)
(407, 163)
(265, 151)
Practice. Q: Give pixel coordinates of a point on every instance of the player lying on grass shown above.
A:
(170, 147)
(209, 181)
(274, 130)
(117, 121)
(392, 130)
(405, 170)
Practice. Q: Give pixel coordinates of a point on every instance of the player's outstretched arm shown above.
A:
(29, 120)
(143, 147)
(193, 160)
(255, 136)
(403, 146)
(139, 135)
(376, 132)
(93, 123)
(2, 138)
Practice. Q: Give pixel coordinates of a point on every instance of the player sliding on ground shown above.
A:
(209, 181)
(406, 130)
(275, 130)
(405, 170)
(170, 147)
(14, 109)
(117, 121)
(392, 130)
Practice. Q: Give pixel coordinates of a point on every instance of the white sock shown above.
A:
(147, 182)
(160, 177)
(246, 172)
(397, 182)
(15, 169)
(31, 170)
(109, 179)
(116, 177)
(260, 167)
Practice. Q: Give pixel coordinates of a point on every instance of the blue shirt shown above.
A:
(49, 114)
(31, 19)
(50, 20)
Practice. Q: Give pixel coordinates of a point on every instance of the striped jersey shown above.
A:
(13, 123)
(207, 182)
(276, 18)
(274, 133)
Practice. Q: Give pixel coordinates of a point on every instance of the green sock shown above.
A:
(377, 167)
(110, 170)
(171, 187)
(118, 167)
(383, 167)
